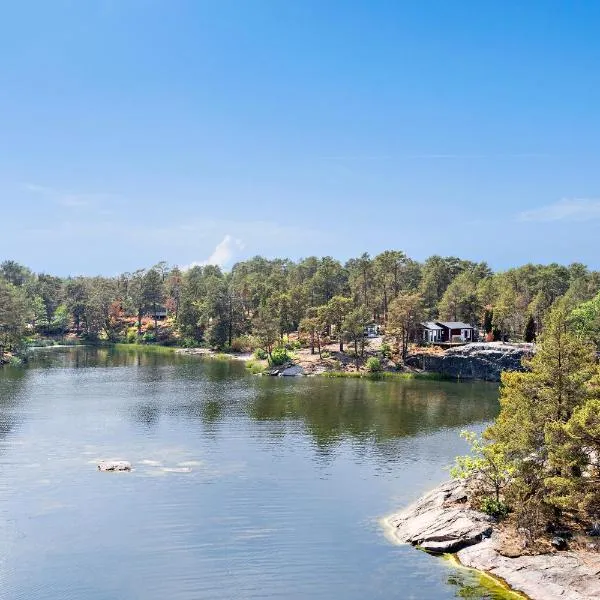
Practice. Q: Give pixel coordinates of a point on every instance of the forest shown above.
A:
(262, 300)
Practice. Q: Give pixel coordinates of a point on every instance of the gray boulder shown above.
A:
(440, 522)
(292, 371)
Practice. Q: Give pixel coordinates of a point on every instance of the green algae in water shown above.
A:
(478, 585)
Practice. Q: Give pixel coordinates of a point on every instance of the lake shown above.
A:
(243, 486)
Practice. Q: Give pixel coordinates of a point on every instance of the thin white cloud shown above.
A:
(576, 209)
(224, 251)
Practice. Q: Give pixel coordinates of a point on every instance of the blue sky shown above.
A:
(190, 131)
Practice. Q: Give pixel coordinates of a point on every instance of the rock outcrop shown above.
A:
(556, 576)
(442, 522)
(114, 465)
(480, 360)
(286, 370)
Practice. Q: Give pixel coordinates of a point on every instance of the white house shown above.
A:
(431, 332)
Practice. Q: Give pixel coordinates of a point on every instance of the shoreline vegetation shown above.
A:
(525, 502)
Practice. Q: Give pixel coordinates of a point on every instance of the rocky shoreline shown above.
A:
(442, 522)
(477, 361)
(480, 360)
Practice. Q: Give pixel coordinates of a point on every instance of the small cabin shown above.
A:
(457, 331)
(372, 330)
(429, 333)
(160, 314)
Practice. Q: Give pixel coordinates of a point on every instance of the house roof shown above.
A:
(431, 325)
(455, 325)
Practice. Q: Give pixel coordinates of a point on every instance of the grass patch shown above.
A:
(255, 367)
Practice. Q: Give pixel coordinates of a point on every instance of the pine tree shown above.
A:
(540, 417)
(530, 330)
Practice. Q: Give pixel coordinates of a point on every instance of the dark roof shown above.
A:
(431, 325)
(455, 325)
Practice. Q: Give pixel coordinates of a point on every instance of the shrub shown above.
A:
(325, 354)
(386, 350)
(279, 356)
(149, 337)
(494, 508)
(131, 336)
(373, 364)
(260, 354)
(243, 343)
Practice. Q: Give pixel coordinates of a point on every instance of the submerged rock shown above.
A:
(474, 361)
(114, 465)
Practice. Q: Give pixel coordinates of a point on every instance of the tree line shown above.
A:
(269, 298)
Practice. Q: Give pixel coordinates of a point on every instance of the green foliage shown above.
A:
(548, 430)
(406, 312)
(61, 319)
(279, 356)
(132, 335)
(256, 368)
(260, 354)
(386, 350)
(373, 364)
(493, 507)
(486, 462)
(586, 320)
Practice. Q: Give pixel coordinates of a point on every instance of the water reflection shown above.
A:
(243, 487)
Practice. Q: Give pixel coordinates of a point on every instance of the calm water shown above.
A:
(244, 487)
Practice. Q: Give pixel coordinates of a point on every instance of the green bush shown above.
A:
(494, 508)
(149, 337)
(386, 350)
(325, 354)
(131, 337)
(260, 354)
(279, 356)
(373, 365)
(189, 342)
